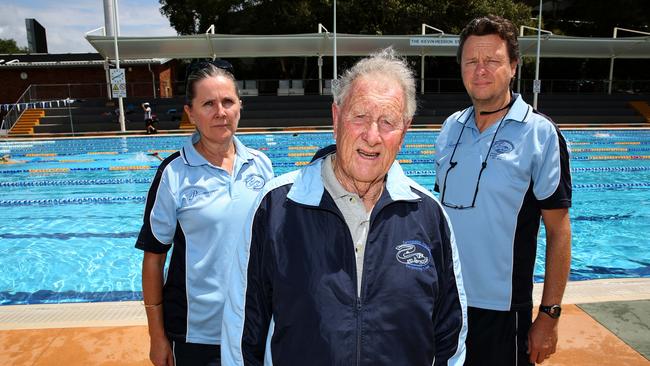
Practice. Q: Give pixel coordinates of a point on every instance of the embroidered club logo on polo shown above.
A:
(254, 182)
(501, 147)
(192, 195)
(414, 254)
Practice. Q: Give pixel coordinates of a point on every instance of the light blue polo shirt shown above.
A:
(527, 170)
(199, 209)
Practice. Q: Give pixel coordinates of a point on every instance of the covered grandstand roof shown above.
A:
(27, 60)
(315, 44)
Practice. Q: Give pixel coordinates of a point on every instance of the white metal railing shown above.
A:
(14, 111)
(439, 32)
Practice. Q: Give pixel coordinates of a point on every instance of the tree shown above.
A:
(196, 16)
(303, 16)
(353, 16)
(406, 17)
(593, 18)
(10, 46)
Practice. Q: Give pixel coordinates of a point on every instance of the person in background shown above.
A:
(198, 196)
(348, 261)
(500, 167)
(6, 159)
(148, 119)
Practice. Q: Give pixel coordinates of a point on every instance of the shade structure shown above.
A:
(321, 44)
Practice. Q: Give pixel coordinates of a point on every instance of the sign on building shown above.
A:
(432, 42)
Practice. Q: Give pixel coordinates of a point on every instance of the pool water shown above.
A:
(71, 209)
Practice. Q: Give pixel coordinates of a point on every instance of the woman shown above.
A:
(196, 204)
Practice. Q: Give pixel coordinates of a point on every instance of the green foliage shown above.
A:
(353, 16)
(406, 17)
(303, 16)
(195, 16)
(10, 46)
(593, 18)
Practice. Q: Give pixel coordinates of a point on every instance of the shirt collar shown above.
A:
(193, 158)
(519, 112)
(332, 184)
(308, 186)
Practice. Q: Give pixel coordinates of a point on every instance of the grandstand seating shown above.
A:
(315, 110)
(643, 108)
(28, 120)
(249, 88)
(592, 108)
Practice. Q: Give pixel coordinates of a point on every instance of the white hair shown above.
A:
(386, 63)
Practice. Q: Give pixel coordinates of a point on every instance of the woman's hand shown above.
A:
(160, 352)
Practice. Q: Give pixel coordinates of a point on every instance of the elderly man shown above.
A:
(350, 262)
(501, 166)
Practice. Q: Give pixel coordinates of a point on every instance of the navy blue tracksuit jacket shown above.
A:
(293, 290)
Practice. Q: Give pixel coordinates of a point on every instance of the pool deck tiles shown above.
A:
(628, 320)
(610, 326)
(585, 342)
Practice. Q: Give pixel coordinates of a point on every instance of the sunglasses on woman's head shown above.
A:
(218, 63)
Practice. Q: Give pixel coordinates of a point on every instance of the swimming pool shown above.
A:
(71, 209)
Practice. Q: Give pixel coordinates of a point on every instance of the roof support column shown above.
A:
(108, 79)
(109, 16)
(117, 63)
(320, 62)
(335, 76)
(424, 31)
(537, 82)
(611, 62)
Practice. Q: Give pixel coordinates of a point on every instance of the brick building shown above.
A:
(80, 75)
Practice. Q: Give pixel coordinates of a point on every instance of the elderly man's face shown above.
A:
(369, 129)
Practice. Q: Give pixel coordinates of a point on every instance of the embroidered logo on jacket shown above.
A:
(414, 254)
(255, 182)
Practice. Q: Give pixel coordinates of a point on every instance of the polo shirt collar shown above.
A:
(194, 158)
(308, 187)
(333, 185)
(519, 112)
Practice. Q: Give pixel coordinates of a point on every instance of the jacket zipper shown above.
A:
(358, 301)
(358, 331)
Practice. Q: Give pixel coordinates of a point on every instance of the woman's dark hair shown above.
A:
(204, 72)
(491, 24)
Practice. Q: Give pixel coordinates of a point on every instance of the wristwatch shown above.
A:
(553, 310)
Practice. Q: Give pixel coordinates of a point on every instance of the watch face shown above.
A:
(553, 311)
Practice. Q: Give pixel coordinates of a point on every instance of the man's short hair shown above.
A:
(491, 24)
(385, 63)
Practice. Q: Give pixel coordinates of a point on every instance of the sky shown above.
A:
(66, 22)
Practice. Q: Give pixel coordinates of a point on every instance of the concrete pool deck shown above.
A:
(604, 322)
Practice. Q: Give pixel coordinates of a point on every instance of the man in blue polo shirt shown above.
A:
(500, 166)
